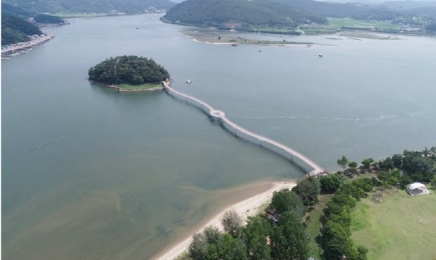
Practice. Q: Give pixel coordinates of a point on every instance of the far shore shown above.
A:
(37, 40)
(246, 208)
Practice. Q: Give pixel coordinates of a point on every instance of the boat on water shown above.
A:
(188, 81)
(320, 55)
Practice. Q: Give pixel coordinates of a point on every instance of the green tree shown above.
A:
(198, 249)
(287, 200)
(343, 162)
(308, 190)
(232, 223)
(206, 245)
(289, 239)
(367, 163)
(330, 183)
(352, 164)
(233, 248)
(397, 159)
(255, 236)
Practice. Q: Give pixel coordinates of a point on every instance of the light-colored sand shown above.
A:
(245, 209)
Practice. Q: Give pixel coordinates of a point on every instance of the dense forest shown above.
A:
(15, 29)
(86, 6)
(240, 14)
(49, 19)
(128, 69)
(281, 230)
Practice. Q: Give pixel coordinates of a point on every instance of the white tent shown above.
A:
(417, 188)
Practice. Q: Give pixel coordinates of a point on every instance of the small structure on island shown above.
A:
(417, 188)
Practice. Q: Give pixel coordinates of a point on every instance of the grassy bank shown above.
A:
(79, 15)
(313, 225)
(400, 227)
(143, 87)
(226, 37)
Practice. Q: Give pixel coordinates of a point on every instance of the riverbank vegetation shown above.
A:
(362, 212)
(128, 70)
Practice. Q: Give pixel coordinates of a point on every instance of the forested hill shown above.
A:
(16, 11)
(15, 29)
(240, 14)
(87, 6)
(128, 70)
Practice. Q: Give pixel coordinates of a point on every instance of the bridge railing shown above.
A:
(280, 149)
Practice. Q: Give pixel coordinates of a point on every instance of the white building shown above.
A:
(417, 188)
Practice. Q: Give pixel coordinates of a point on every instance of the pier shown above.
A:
(296, 158)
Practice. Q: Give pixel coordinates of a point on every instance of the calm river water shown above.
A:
(88, 173)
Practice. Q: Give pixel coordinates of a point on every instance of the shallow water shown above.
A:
(90, 173)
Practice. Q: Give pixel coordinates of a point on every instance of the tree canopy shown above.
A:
(45, 18)
(128, 69)
(15, 29)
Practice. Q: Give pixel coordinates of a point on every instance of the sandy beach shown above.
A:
(245, 209)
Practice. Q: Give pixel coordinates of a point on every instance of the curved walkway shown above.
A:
(298, 159)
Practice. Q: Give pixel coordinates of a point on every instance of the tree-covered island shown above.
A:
(129, 73)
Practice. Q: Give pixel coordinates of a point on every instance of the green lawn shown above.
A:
(127, 87)
(400, 227)
(314, 226)
(78, 15)
(338, 23)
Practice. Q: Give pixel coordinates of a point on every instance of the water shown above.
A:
(88, 173)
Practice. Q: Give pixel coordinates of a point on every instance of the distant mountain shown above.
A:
(353, 10)
(240, 14)
(403, 5)
(388, 11)
(88, 6)
(16, 11)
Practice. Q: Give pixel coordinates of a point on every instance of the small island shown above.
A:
(129, 74)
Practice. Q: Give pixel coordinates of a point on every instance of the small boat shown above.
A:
(188, 81)
(320, 55)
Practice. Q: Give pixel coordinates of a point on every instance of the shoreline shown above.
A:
(245, 208)
(126, 90)
(15, 48)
